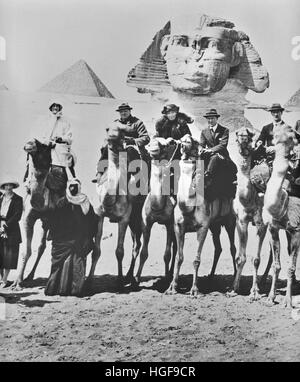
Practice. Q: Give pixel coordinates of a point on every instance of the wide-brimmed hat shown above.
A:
(8, 180)
(124, 106)
(170, 107)
(276, 107)
(55, 104)
(211, 113)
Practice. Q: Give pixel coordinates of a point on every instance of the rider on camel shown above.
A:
(135, 134)
(217, 162)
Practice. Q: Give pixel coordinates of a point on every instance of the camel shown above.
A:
(117, 204)
(282, 211)
(158, 206)
(40, 202)
(248, 205)
(194, 213)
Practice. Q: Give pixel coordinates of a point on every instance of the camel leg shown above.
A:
(254, 293)
(167, 254)
(147, 226)
(216, 230)
(294, 245)
(180, 235)
(122, 227)
(242, 228)
(275, 244)
(97, 250)
(230, 229)
(40, 252)
(29, 223)
(136, 233)
(201, 236)
(264, 277)
(174, 252)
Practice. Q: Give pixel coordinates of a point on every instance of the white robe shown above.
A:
(57, 126)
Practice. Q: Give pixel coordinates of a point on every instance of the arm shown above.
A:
(185, 130)
(222, 144)
(262, 136)
(202, 141)
(158, 127)
(143, 136)
(67, 133)
(18, 210)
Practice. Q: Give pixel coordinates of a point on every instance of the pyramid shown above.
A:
(294, 101)
(79, 79)
(3, 87)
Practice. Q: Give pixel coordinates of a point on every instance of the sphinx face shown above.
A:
(200, 63)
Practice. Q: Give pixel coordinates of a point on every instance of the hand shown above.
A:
(270, 150)
(129, 141)
(170, 140)
(258, 143)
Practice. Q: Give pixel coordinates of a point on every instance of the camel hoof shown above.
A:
(134, 284)
(270, 301)
(128, 279)
(194, 292)
(254, 296)
(231, 293)
(171, 290)
(16, 286)
(287, 303)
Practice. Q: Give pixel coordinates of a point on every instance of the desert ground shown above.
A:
(143, 324)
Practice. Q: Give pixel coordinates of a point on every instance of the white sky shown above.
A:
(46, 37)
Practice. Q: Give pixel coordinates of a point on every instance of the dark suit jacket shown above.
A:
(217, 143)
(135, 128)
(13, 217)
(173, 129)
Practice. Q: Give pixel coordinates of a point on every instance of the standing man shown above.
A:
(135, 133)
(214, 141)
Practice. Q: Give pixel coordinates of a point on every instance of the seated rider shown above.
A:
(265, 140)
(173, 125)
(135, 133)
(217, 162)
(57, 134)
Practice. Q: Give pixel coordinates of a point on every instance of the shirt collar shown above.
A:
(214, 128)
(278, 123)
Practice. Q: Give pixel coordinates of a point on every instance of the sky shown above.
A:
(44, 38)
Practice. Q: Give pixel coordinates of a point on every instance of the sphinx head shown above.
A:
(201, 53)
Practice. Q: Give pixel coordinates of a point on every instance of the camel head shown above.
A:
(31, 147)
(115, 137)
(40, 153)
(244, 138)
(161, 148)
(189, 148)
(284, 135)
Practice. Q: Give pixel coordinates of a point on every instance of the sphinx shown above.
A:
(200, 62)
